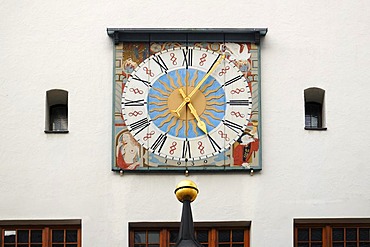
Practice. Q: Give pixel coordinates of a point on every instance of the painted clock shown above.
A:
(186, 105)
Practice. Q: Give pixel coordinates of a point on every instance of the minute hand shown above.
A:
(187, 99)
(206, 76)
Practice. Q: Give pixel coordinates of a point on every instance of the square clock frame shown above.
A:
(186, 100)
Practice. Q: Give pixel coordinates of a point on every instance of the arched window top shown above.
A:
(57, 97)
(314, 94)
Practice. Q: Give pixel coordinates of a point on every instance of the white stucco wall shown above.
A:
(64, 45)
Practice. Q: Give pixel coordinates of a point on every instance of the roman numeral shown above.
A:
(186, 149)
(214, 62)
(240, 102)
(233, 126)
(231, 81)
(188, 58)
(214, 144)
(139, 125)
(146, 83)
(161, 64)
(159, 143)
(139, 102)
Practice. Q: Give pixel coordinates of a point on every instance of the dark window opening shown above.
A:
(313, 115)
(56, 116)
(314, 109)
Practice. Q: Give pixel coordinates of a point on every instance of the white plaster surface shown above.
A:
(63, 44)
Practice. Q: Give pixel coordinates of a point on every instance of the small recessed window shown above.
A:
(314, 109)
(56, 111)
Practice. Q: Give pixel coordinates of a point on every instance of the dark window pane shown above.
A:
(338, 234)
(58, 236)
(303, 234)
(316, 245)
(58, 117)
(71, 235)
(22, 236)
(153, 237)
(364, 244)
(316, 234)
(238, 245)
(205, 245)
(36, 236)
(36, 245)
(313, 112)
(338, 244)
(71, 245)
(139, 245)
(303, 245)
(365, 234)
(22, 245)
(351, 234)
(202, 236)
(173, 236)
(9, 245)
(351, 244)
(58, 245)
(139, 237)
(224, 236)
(224, 245)
(238, 235)
(153, 245)
(9, 236)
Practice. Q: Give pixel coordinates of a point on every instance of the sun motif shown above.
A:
(164, 96)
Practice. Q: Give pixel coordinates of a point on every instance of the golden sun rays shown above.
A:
(164, 93)
(160, 108)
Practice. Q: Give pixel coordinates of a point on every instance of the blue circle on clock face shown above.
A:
(159, 111)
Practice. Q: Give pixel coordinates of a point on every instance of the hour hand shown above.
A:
(201, 125)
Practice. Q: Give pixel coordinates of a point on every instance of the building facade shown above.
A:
(315, 172)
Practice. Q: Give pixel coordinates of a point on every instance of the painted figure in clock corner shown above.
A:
(128, 66)
(239, 54)
(127, 151)
(247, 146)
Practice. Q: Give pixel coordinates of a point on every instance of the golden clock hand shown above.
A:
(200, 123)
(187, 99)
(206, 76)
(177, 111)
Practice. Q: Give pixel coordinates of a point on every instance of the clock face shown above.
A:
(186, 103)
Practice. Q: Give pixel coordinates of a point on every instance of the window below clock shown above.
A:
(56, 120)
(40, 233)
(332, 233)
(209, 234)
(314, 108)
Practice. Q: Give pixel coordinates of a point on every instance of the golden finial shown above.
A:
(186, 190)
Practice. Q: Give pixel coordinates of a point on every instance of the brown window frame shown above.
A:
(46, 226)
(164, 229)
(327, 226)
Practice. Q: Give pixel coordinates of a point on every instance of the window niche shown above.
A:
(314, 109)
(56, 116)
